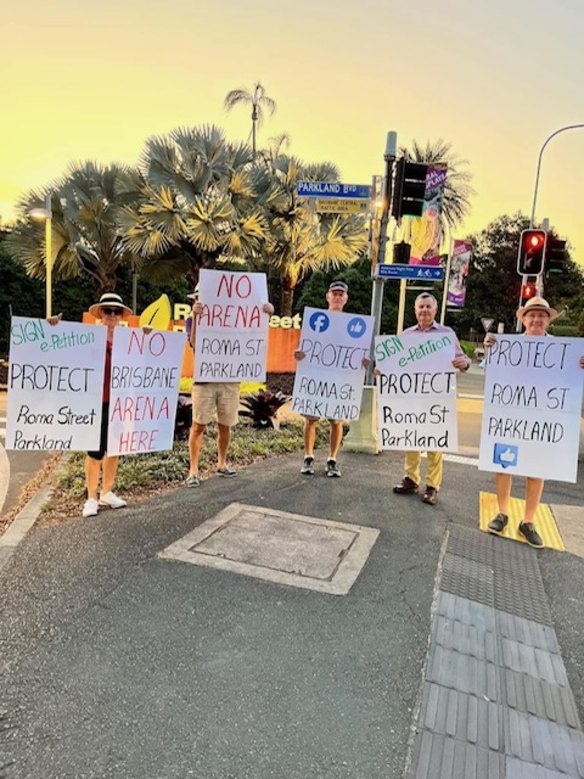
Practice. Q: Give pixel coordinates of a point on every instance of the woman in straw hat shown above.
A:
(536, 316)
(110, 310)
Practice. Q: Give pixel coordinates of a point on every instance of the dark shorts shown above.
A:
(99, 455)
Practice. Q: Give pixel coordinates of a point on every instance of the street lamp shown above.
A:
(46, 214)
(541, 151)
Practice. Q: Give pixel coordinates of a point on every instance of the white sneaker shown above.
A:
(111, 500)
(91, 508)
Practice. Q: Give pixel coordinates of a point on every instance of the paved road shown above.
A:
(119, 664)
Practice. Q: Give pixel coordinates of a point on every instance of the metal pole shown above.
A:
(48, 258)
(378, 284)
(547, 140)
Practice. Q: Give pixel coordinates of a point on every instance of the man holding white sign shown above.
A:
(426, 308)
(228, 332)
(531, 421)
(333, 353)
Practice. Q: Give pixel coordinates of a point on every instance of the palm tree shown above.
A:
(300, 240)
(196, 205)
(85, 204)
(257, 98)
(458, 189)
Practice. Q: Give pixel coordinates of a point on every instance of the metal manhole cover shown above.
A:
(280, 547)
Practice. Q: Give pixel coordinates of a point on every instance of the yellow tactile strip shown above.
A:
(544, 520)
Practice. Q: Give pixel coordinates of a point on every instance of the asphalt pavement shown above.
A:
(116, 663)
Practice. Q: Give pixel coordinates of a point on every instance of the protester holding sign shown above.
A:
(229, 336)
(111, 310)
(334, 400)
(535, 401)
(426, 308)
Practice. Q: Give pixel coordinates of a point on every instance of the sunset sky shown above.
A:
(93, 80)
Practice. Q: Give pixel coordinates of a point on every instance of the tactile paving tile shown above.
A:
(463, 673)
(440, 757)
(526, 631)
(544, 743)
(468, 543)
(533, 662)
(524, 597)
(463, 717)
(454, 607)
(539, 698)
(518, 769)
(544, 520)
(468, 639)
(461, 580)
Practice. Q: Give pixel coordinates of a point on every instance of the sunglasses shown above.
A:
(112, 311)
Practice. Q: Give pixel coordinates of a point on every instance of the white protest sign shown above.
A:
(329, 380)
(533, 396)
(232, 331)
(144, 390)
(416, 391)
(55, 385)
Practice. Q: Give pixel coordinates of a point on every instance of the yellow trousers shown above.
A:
(433, 471)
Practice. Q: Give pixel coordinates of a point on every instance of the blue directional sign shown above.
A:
(333, 189)
(420, 272)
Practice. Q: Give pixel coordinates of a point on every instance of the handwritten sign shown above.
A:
(533, 396)
(55, 385)
(416, 392)
(329, 380)
(144, 390)
(232, 331)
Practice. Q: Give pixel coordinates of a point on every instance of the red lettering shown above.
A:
(128, 407)
(226, 281)
(117, 409)
(137, 441)
(164, 409)
(243, 283)
(137, 339)
(162, 344)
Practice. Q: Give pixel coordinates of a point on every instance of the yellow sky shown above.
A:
(94, 80)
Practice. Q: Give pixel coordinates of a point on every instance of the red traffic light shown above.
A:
(528, 291)
(534, 240)
(530, 258)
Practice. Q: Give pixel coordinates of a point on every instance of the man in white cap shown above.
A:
(212, 399)
(536, 316)
(336, 297)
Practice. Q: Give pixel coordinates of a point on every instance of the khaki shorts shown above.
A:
(218, 398)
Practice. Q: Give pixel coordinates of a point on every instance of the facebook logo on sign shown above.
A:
(356, 327)
(505, 455)
(319, 322)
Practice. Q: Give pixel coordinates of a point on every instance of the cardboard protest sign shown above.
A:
(533, 397)
(329, 380)
(232, 331)
(143, 390)
(416, 391)
(55, 385)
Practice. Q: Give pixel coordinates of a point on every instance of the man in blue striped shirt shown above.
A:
(426, 308)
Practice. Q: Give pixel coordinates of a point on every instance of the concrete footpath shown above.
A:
(117, 663)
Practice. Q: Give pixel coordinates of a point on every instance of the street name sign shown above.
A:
(333, 205)
(420, 272)
(322, 189)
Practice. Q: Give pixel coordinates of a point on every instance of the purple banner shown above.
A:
(459, 267)
(427, 229)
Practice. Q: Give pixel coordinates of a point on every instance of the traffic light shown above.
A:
(555, 255)
(528, 290)
(401, 253)
(531, 254)
(409, 189)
